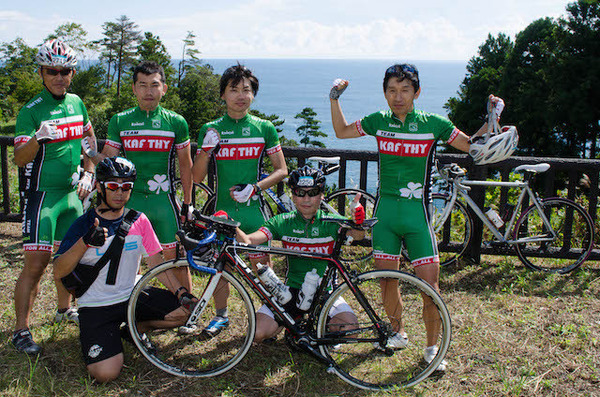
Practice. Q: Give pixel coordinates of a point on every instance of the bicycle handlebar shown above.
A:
(350, 224)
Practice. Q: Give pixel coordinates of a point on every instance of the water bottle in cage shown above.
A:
(273, 283)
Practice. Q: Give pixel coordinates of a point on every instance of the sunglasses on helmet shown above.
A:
(302, 192)
(404, 68)
(56, 72)
(125, 186)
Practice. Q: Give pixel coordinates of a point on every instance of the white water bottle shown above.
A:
(274, 284)
(494, 217)
(307, 292)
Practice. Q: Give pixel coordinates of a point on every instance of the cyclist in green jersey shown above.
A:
(149, 136)
(238, 141)
(406, 140)
(48, 137)
(302, 230)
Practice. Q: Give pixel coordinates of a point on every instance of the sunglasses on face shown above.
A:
(301, 192)
(125, 186)
(56, 72)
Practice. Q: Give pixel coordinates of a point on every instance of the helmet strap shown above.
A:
(103, 199)
(57, 97)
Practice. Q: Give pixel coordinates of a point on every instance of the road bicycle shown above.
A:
(351, 351)
(549, 234)
(272, 202)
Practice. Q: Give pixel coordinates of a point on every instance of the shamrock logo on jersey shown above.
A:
(160, 182)
(413, 190)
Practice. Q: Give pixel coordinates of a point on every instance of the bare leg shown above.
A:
(183, 273)
(106, 370)
(430, 273)
(266, 327)
(27, 285)
(392, 300)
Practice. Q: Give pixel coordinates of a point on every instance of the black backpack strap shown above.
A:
(116, 247)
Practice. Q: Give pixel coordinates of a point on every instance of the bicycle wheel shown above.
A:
(203, 197)
(571, 246)
(357, 359)
(193, 355)
(339, 202)
(454, 235)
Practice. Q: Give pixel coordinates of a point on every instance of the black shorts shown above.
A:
(99, 327)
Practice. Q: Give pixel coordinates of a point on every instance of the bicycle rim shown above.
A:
(573, 242)
(357, 360)
(454, 235)
(339, 202)
(194, 354)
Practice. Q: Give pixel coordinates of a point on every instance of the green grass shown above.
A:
(515, 333)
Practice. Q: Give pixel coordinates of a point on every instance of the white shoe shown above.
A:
(429, 355)
(396, 341)
(70, 315)
(184, 330)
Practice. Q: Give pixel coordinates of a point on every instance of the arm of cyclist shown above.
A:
(341, 127)
(463, 141)
(255, 238)
(26, 152)
(242, 193)
(357, 211)
(65, 263)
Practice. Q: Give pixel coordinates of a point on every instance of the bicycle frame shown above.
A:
(461, 186)
(228, 254)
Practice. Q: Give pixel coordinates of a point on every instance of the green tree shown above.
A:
(528, 87)
(120, 47)
(151, 48)
(19, 80)
(484, 74)
(309, 130)
(200, 99)
(189, 56)
(577, 78)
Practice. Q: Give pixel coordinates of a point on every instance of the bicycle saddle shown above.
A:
(536, 168)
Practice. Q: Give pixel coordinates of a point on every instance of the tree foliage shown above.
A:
(550, 80)
(309, 130)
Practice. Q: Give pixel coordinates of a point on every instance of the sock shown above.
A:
(222, 312)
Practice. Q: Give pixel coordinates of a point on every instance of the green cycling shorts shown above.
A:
(47, 217)
(403, 221)
(162, 211)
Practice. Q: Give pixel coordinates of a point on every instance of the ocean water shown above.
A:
(289, 85)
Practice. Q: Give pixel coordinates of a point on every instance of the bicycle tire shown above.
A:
(194, 355)
(566, 252)
(203, 198)
(356, 359)
(454, 235)
(338, 202)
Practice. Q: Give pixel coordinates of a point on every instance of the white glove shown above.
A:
(339, 86)
(243, 193)
(211, 140)
(89, 147)
(47, 132)
(86, 182)
(498, 107)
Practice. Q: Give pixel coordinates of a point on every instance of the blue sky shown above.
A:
(418, 29)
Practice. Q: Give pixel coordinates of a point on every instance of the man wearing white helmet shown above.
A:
(48, 137)
(406, 140)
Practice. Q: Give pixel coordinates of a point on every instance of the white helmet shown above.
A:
(56, 53)
(495, 147)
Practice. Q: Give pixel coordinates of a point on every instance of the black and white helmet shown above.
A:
(306, 177)
(55, 53)
(115, 167)
(495, 148)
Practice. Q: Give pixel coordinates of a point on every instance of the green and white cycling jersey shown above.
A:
(406, 149)
(149, 140)
(55, 165)
(299, 234)
(243, 144)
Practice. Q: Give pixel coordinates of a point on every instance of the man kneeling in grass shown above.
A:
(103, 307)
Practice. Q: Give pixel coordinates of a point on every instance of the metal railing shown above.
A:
(563, 176)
